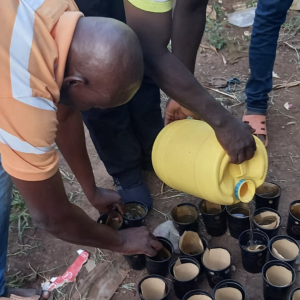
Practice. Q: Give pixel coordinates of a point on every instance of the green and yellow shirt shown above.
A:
(155, 6)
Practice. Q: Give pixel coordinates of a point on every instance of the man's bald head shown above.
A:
(105, 64)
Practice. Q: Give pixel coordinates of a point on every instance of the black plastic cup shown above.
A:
(293, 293)
(114, 225)
(137, 212)
(136, 262)
(198, 256)
(215, 223)
(182, 287)
(253, 261)
(216, 276)
(231, 284)
(293, 226)
(269, 232)
(159, 264)
(187, 222)
(268, 196)
(280, 237)
(158, 277)
(273, 292)
(238, 219)
(190, 294)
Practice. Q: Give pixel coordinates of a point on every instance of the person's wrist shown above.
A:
(120, 243)
(91, 192)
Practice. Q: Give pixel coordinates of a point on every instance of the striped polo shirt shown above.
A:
(34, 42)
(155, 6)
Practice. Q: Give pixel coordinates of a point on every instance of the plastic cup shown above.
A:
(181, 287)
(185, 217)
(277, 281)
(159, 264)
(197, 256)
(114, 224)
(253, 261)
(190, 294)
(268, 195)
(215, 221)
(293, 226)
(134, 214)
(238, 219)
(270, 232)
(284, 248)
(216, 272)
(229, 287)
(153, 282)
(295, 294)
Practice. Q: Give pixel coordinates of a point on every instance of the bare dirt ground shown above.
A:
(37, 255)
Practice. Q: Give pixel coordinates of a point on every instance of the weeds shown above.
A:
(215, 34)
(19, 214)
(290, 29)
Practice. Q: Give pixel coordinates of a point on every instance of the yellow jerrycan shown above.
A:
(188, 157)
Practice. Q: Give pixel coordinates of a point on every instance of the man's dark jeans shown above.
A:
(270, 15)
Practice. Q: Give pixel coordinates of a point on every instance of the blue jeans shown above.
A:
(270, 15)
(5, 204)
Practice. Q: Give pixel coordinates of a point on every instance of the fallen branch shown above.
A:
(222, 93)
(285, 85)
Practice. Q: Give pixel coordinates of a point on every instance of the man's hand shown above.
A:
(105, 200)
(237, 140)
(139, 241)
(175, 111)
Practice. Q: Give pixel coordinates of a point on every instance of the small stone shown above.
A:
(233, 268)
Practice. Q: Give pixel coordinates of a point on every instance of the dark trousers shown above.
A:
(270, 15)
(124, 136)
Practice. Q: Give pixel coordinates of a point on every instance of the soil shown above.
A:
(284, 164)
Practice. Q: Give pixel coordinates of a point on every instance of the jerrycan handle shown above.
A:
(242, 169)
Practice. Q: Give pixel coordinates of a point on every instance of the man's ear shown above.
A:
(73, 81)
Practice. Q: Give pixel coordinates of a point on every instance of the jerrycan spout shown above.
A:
(245, 190)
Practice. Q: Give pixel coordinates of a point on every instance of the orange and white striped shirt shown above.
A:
(34, 42)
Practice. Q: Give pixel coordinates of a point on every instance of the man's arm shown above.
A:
(70, 140)
(154, 30)
(51, 210)
(188, 26)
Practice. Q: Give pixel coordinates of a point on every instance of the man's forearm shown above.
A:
(51, 210)
(178, 83)
(71, 142)
(188, 25)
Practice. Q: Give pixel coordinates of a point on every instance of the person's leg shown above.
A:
(270, 15)
(5, 204)
(146, 118)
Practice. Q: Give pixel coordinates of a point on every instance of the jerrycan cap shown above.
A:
(245, 191)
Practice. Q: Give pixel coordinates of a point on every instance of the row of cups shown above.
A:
(278, 277)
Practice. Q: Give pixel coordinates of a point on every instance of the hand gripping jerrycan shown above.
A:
(188, 157)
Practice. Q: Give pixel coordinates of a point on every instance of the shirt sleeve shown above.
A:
(155, 6)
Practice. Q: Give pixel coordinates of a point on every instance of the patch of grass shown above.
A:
(251, 3)
(19, 214)
(220, 12)
(215, 34)
(290, 28)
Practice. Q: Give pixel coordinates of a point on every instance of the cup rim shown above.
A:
(281, 264)
(191, 293)
(192, 260)
(262, 209)
(144, 206)
(290, 213)
(206, 214)
(182, 204)
(210, 270)
(278, 237)
(229, 281)
(227, 210)
(259, 232)
(292, 292)
(168, 287)
(269, 198)
(161, 238)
